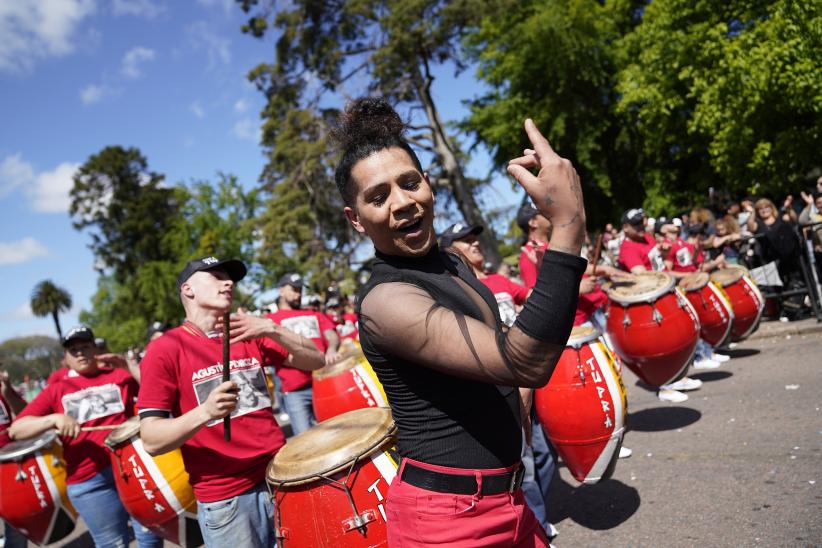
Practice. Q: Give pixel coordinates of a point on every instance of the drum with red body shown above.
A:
(330, 482)
(345, 386)
(712, 307)
(653, 328)
(33, 495)
(746, 300)
(154, 490)
(582, 408)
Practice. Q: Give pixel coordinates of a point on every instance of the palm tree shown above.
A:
(47, 298)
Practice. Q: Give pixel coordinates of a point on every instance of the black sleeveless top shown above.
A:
(443, 419)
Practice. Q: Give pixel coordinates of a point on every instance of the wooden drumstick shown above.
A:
(226, 371)
(98, 428)
(597, 253)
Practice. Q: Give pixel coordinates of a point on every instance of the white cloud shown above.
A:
(134, 58)
(225, 5)
(37, 30)
(14, 172)
(21, 251)
(246, 130)
(140, 8)
(50, 191)
(22, 312)
(217, 48)
(92, 93)
(241, 105)
(197, 110)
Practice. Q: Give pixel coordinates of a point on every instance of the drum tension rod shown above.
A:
(657, 316)
(580, 368)
(21, 474)
(626, 319)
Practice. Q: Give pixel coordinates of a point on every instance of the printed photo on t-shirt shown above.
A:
(307, 326)
(657, 262)
(93, 402)
(507, 310)
(4, 415)
(250, 380)
(683, 256)
(345, 329)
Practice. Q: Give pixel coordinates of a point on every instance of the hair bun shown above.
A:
(368, 119)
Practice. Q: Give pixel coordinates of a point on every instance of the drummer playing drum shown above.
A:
(183, 401)
(88, 394)
(433, 335)
(11, 404)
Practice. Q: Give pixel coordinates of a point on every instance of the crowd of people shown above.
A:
(435, 322)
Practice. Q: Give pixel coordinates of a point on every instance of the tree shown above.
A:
(324, 46)
(47, 298)
(724, 94)
(554, 61)
(35, 356)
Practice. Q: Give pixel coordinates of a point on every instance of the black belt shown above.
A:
(462, 484)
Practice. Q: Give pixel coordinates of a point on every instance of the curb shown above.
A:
(799, 328)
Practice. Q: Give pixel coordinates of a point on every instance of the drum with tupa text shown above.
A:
(746, 300)
(582, 408)
(154, 490)
(33, 496)
(330, 482)
(715, 313)
(652, 327)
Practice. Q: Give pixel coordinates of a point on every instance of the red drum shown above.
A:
(582, 408)
(653, 327)
(345, 386)
(745, 298)
(712, 307)
(330, 482)
(154, 490)
(33, 495)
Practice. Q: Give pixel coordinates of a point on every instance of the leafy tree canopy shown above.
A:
(49, 299)
(35, 356)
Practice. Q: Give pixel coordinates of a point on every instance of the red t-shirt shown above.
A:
(57, 376)
(5, 422)
(311, 325)
(528, 269)
(682, 255)
(645, 253)
(348, 328)
(507, 294)
(588, 303)
(179, 371)
(101, 399)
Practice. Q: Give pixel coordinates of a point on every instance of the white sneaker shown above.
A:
(666, 394)
(552, 531)
(706, 363)
(684, 384)
(721, 358)
(624, 452)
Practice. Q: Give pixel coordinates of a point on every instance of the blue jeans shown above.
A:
(97, 502)
(539, 462)
(300, 411)
(244, 521)
(13, 537)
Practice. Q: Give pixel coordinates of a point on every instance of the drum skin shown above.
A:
(315, 512)
(656, 340)
(156, 491)
(746, 301)
(33, 495)
(346, 386)
(582, 410)
(716, 316)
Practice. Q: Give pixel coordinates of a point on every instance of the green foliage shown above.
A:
(47, 298)
(35, 356)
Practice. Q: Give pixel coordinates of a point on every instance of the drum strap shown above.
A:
(462, 484)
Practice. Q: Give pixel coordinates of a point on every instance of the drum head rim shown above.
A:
(704, 276)
(577, 342)
(20, 449)
(335, 369)
(118, 435)
(330, 470)
(649, 296)
(727, 276)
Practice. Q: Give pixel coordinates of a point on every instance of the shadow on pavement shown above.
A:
(601, 506)
(711, 376)
(740, 352)
(658, 419)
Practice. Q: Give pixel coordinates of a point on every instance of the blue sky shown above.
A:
(165, 77)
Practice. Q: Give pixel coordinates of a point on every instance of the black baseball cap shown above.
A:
(156, 327)
(78, 333)
(633, 217)
(526, 212)
(235, 268)
(457, 231)
(293, 279)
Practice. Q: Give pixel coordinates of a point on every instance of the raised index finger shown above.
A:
(543, 149)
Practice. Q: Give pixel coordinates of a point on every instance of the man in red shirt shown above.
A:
(345, 322)
(183, 400)
(89, 394)
(311, 324)
(537, 231)
(11, 404)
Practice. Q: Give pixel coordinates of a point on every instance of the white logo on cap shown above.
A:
(210, 260)
(295, 277)
(457, 228)
(75, 331)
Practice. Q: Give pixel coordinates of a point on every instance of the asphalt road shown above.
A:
(738, 464)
